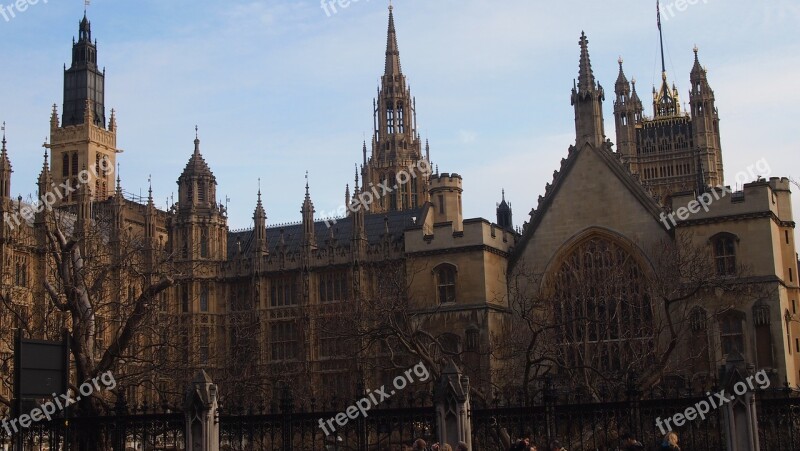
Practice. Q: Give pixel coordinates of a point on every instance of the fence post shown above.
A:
(202, 423)
(452, 407)
(550, 397)
(634, 398)
(739, 414)
(121, 413)
(287, 406)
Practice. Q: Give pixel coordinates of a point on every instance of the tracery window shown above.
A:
(446, 283)
(602, 307)
(724, 245)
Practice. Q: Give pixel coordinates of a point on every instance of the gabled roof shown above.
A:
(612, 161)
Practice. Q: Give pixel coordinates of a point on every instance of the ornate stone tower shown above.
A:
(199, 231)
(628, 112)
(5, 176)
(504, 214)
(672, 152)
(587, 98)
(82, 140)
(705, 125)
(396, 146)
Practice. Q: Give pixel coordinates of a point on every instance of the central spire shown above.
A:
(392, 51)
(586, 80)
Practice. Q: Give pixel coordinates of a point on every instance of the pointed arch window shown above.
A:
(601, 302)
(204, 243)
(65, 165)
(74, 163)
(698, 319)
(445, 283)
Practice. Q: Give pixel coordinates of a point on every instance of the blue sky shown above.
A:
(279, 87)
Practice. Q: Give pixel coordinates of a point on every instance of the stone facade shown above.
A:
(255, 303)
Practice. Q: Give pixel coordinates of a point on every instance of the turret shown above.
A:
(504, 216)
(705, 123)
(260, 247)
(587, 98)
(5, 173)
(446, 190)
(627, 113)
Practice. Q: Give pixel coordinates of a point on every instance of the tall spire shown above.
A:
(586, 80)
(587, 98)
(392, 50)
(5, 169)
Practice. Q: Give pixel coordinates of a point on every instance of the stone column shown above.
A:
(452, 407)
(739, 415)
(202, 423)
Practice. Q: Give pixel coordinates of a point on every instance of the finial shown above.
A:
(695, 49)
(390, 6)
(504, 194)
(356, 185)
(620, 61)
(196, 132)
(4, 135)
(307, 193)
(259, 187)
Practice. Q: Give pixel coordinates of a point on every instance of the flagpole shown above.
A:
(661, 38)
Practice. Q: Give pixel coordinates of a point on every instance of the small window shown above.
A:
(697, 319)
(204, 243)
(446, 283)
(731, 333)
(65, 165)
(441, 204)
(791, 275)
(786, 233)
(794, 306)
(725, 254)
(204, 298)
(797, 344)
(204, 346)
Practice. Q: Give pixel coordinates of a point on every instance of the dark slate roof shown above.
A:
(399, 221)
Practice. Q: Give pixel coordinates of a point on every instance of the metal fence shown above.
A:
(578, 425)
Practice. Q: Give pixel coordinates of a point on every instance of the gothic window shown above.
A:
(415, 188)
(330, 344)
(390, 119)
(400, 118)
(283, 292)
(74, 163)
(788, 318)
(333, 286)
(602, 306)
(392, 193)
(190, 191)
(761, 321)
(204, 298)
(472, 340)
(283, 341)
(201, 192)
(204, 346)
(65, 165)
(724, 245)
(697, 319)
(204, 243)
(731, 333)
(184, 290)
(446, 283)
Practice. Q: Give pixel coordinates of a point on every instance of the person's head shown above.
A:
(447, 447)
(420, 444)
(671, 438)
(532, 448)
(462, 447)
(555, 445)
(435, 447)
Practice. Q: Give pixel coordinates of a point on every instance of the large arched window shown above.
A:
(602, 307)
(445, 276)
(724, 246)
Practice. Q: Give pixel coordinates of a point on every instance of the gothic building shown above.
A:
(257, 305)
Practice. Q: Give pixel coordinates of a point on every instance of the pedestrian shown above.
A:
(670, 442)
(462, 447)
(420, 445)
(435, 447)
(555, 445)
(447, 447)
(629, 443)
